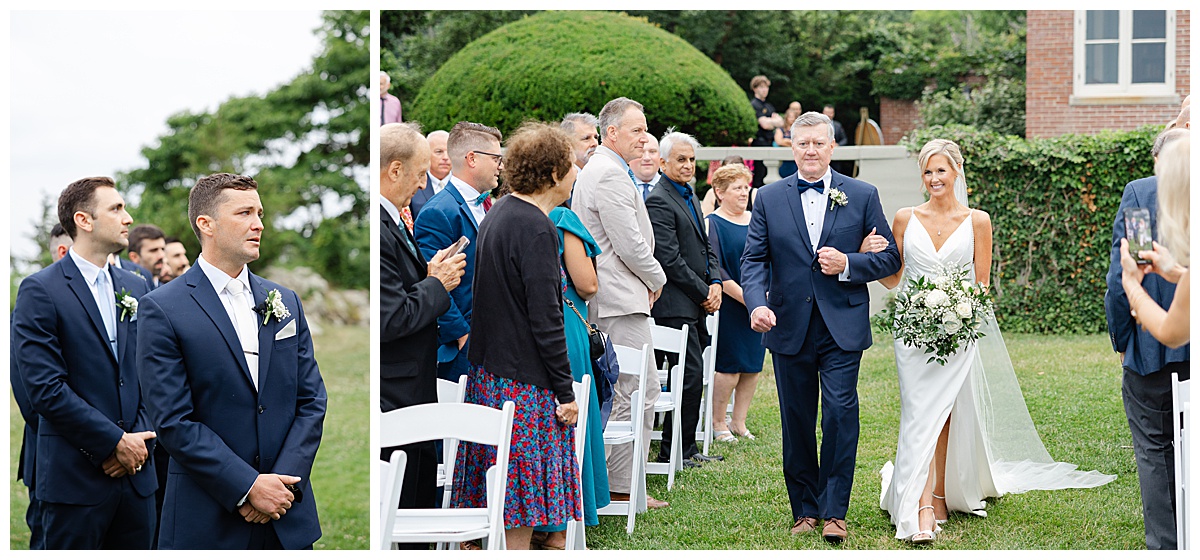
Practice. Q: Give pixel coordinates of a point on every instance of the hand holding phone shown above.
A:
(457, 247)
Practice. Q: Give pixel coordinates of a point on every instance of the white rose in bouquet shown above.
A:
(951, 323)
(936, 298)
(963, 309)
(966, 285)
(942, 283)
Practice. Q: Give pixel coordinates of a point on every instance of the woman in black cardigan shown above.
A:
(518, 348)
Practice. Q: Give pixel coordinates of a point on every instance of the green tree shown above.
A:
(307, 145)
(553, 63)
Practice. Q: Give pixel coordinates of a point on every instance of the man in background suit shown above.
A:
(456, 212)
(147, 245)
(645, 168)
(60, 243)
(581, 127)
(693, 288)
(438, 175)
(412, 295)
(74, 332)
(1147, 365)
(806, 286)
(611, 208)
(227, 368)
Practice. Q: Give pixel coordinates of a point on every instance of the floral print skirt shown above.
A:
(543, 476)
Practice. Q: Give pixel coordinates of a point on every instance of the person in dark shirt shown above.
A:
(768, 121)
(519, 351)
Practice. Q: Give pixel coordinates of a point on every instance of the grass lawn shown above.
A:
(341, 475)
(1072, 385)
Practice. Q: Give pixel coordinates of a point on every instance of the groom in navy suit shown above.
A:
(74, 329)
(228, 374)
(806, 286)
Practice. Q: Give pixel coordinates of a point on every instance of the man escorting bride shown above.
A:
(948, 455)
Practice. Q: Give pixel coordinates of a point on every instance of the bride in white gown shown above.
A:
(965, 432)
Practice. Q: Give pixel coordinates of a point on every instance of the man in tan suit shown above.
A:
(611, 207)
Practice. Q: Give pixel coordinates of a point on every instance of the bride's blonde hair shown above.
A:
(1174, 197)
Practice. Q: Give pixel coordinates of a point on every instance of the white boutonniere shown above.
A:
(127, 304)
(273, 307)
(837, 198)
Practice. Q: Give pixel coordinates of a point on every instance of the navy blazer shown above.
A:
(139, 271)
(421, 197)
(221, 432)
(780, 270)
(28, 454)
(1143, 353)
(444, 219)
(85, 398)
(681, 247)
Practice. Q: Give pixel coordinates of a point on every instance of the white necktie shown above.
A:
(108, 308)
(245, 322)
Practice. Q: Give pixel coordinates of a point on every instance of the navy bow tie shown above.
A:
(818, 186)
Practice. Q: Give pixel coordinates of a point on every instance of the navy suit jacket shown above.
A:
(139, 271)
(681, 247)
(444, 219)
(1143, 353)
(220, 431)
(421, 197)
(85, 398)
(780, 270)
(28, 457)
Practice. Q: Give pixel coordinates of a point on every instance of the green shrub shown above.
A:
(1052, 202)
(998, 106)
(553, 63)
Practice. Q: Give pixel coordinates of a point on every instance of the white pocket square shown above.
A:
(288, 330)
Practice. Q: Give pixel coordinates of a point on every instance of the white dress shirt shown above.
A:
(438, 184)
(245, 320)
(645, 188)
(104, 295)
(470, 195)
(815, 205)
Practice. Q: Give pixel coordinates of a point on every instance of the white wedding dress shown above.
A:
(993, 447)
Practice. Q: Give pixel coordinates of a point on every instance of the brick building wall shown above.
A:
(897, 117)
(1049, 63)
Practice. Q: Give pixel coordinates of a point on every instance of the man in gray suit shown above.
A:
(611, 208)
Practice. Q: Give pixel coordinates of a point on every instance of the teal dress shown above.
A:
(595, 470)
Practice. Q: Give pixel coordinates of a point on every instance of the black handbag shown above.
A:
(605, 369)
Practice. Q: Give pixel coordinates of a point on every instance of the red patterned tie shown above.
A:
(406, 217)
(487, 204)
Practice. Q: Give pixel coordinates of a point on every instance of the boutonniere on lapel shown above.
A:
(273, 307)
(837, 198)
(127, 304)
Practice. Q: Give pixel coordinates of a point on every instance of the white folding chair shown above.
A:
(1181, 397)
(576, 539)
(466, 422)
(630, 362)
(672, 340)
(449, 392)
(704, 428)
(391, 480)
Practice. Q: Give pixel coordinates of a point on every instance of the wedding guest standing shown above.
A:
(768, 121)
(230, 380)
(740, 351)
(783, 137)
(576, 249)
(581, 128)
(456, 212)
(693, 288)
(520, 350)
(645, 167)
(413, 293)
(390, 110)
(1148, 361)
(74, 334)
(611, 207)
(438, 175)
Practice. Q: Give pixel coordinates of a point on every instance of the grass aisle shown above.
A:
(341, 475)
(1072, 386)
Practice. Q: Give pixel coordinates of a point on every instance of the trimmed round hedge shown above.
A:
(553, 63)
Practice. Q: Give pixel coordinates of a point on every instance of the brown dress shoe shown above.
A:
(618, 497)
(655, 504)
(804, 525)
(835, 530)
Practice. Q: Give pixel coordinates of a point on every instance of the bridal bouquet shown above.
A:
(940, 314)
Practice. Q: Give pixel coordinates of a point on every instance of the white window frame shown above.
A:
(1124, 92)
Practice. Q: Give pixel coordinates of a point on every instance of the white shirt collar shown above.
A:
(438, 184)
(466, 191)
(652, 182)
(86, 268)
(218, 278)
(391, 209)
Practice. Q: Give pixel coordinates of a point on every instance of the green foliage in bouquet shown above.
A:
(1052, 202)
(938, 315)
(553, 63)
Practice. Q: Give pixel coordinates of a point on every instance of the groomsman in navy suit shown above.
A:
(227, 368)
(74, 339)
(806, 286)
(456, 212)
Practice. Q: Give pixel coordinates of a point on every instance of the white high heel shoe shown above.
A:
(924, 537)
